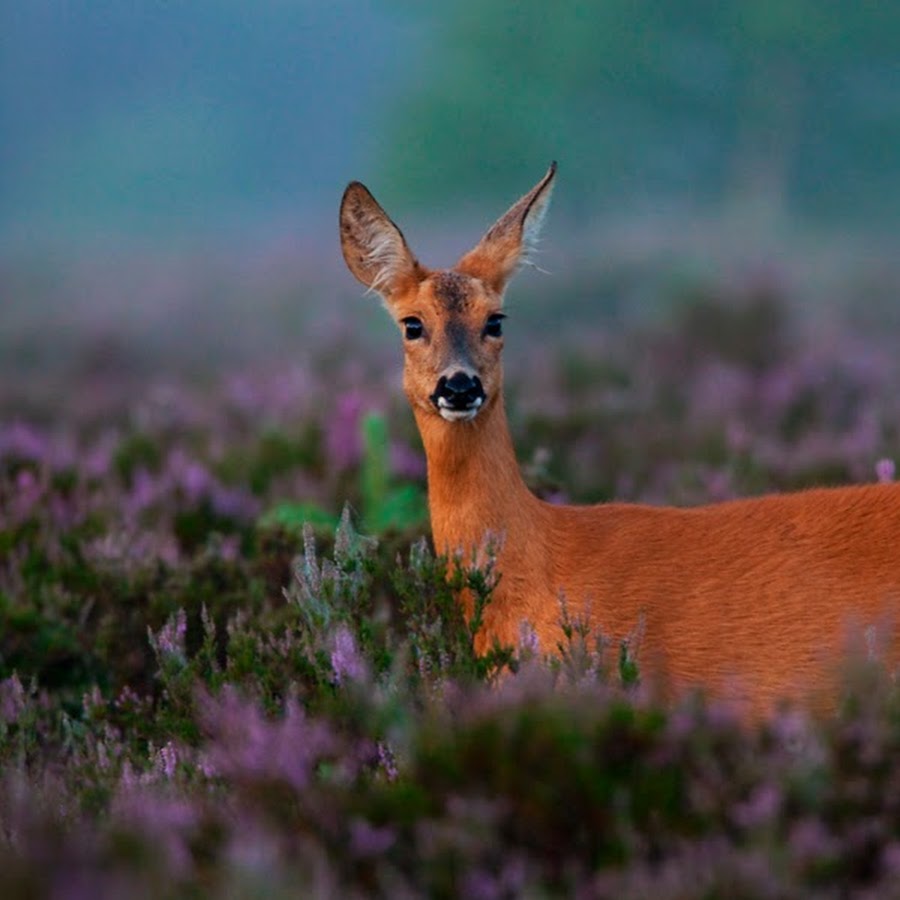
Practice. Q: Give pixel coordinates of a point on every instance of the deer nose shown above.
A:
(459, 391)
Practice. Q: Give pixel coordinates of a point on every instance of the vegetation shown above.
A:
(757, 105)
(203, 114)
(202, 695)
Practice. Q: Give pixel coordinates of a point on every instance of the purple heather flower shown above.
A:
(97, 460)
(480, 884)
(167, 760)
(529, 645)
(241, 392)
(190, 476)
(23, 441)
(718, 389)
(228, 548)
(167, 822)
(12, 699)
(405, 462)
(195, 480)
(811, 842)
(128, 780)
(234, 503)
(890, 859)
(760, 808)
(102, 757)
(246, 746)
(345, 660)
(369, 840)
(737, 436)
(27, 497)
(342, 437)
(169, 640)
(128, 699)
(206, 767)
(25, 481)
(885, 470)
(92, 700)
(386, 761)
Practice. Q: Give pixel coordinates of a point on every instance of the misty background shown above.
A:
(170, 173)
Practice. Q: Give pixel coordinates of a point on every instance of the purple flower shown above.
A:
(529, 645)
(12, 699)
(481, 884)
(885, 470)
(811, 842)
(190, 476)
(760, 808)
(167, 760)
(345, 659)
(890, 859)
(195, 480)
(22, 441)
(234, 503)
(145, 491)
(342, 437)
(368, 840)
(166, 823)
(228, 548)
(246, 747)
(96, 462)
(168, 642)
(386, 761)
(92, 700)
(28, 495)
(25, 481)
(405, 462)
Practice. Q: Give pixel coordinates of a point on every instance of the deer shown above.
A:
(756, 598)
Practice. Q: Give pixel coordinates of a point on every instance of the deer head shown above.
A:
(451, 319)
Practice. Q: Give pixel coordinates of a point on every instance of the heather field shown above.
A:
(231, 667)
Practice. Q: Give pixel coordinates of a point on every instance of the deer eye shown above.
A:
(413, 328)
(494, 325)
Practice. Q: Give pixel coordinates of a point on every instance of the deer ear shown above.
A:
(373, 246)
(511, 239)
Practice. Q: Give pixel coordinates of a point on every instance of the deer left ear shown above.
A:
(373, 246)
(511, 239)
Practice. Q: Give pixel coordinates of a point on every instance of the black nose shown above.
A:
(459, 391)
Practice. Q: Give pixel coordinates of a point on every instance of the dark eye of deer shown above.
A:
(494, 326)
(412, 328)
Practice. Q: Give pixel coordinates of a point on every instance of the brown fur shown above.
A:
(451, 288)
(754, 599)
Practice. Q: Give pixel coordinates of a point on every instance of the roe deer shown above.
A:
(748, 598)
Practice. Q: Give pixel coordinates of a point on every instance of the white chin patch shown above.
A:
(458, 415)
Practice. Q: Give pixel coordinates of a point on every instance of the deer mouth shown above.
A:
(455, 413)
(458, 398)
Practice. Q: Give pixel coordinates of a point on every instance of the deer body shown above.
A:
(752, 598)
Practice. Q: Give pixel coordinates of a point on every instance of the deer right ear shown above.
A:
(512, 238)
(373, 246)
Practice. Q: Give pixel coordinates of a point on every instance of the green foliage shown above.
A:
(429, 592)
(274, 454)
(694, 101)
(385, 506)
(293, 516)
(42, 644)
(137, 451)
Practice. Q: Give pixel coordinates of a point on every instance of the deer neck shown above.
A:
(475, 490)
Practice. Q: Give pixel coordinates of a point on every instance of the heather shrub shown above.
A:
(231, 665)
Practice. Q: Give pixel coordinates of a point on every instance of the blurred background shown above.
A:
(170, 172)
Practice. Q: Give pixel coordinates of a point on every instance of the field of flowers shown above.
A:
(230, 665)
